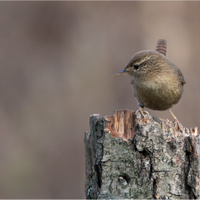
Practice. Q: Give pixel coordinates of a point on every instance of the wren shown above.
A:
(157, 83)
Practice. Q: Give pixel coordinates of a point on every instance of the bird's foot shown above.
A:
(180, 126)
(142, 112)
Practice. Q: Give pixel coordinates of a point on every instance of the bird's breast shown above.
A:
(158, 93)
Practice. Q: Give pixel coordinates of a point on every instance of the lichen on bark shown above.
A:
(134, 155)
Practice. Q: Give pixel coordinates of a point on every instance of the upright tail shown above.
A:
(162, 46)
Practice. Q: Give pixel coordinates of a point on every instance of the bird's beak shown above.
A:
(120, 72)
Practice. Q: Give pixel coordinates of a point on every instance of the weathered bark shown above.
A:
(130, 155)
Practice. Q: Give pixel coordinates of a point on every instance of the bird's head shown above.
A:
(144, 63)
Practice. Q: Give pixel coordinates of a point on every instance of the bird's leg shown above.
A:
(180, 126)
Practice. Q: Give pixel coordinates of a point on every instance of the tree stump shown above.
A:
(130, 155)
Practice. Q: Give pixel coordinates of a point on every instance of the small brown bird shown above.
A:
(157, 82)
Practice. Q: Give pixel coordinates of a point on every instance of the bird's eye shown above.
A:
(136, 66)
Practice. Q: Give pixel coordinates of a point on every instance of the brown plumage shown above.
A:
(157, 82)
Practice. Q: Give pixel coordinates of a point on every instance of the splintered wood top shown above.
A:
(121, 124)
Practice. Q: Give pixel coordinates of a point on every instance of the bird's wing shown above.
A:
(181, 78)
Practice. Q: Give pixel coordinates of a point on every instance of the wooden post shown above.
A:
(129, 155)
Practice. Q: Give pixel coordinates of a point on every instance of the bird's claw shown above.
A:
(142, 112)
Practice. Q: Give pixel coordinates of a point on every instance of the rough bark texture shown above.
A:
(130, 155)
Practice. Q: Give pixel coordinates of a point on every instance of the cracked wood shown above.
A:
(140, 157)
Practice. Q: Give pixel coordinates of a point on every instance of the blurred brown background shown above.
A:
(57, 61)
